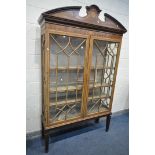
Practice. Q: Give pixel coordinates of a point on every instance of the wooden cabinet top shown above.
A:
(70, 16)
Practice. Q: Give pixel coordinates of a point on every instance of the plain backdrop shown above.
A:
(13, 77)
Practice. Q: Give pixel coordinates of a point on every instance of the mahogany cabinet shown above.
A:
(80, 58)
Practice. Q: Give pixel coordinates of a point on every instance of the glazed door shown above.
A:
(68, 54)
(102, 73)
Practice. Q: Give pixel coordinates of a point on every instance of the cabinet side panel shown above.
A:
(45, 77)
(42, 75)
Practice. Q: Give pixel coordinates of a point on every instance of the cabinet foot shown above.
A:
(108, 122)
(42, 131)
(46, 143)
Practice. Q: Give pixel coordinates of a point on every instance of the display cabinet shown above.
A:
(79, 65)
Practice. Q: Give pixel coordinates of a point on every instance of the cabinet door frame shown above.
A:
(48, 32)
(110, 38)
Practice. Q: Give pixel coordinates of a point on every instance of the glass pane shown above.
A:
(66, 76)
(101, 75)
(64, 112)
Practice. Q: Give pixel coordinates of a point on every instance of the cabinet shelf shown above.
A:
(65, 68)
(72, 101)
(97, 97)
(78, 87)
(60, 103)
(101, 67)
(80, 68)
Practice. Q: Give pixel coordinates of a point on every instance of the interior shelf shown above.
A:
(72, 101)
(98, 96)
(65, 68)
(64, 102)
(78, 87)
(80, 68)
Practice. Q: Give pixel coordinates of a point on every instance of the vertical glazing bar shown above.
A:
(67, 85)
(106, 69)
(107, 60)
(77, 74)
(106, 66)
(102, 77)
(111, 68)
(94, 78)
(110, 73)
(67, 78)
(112, 65)
(56, 70)
(68, 63)
(103, 70)
(68, 58)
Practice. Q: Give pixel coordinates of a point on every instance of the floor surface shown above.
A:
(88, 139)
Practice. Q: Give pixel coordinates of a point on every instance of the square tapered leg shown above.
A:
(108, 122)
(42, 131)
(46, 143)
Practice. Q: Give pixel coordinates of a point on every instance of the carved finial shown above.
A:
(93, 10)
